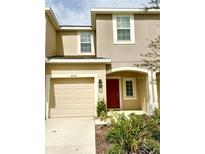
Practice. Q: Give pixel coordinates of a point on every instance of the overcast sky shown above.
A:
(77, 12)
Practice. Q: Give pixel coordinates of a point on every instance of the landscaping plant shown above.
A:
(134, 134)
(101, 109)
(154, 122)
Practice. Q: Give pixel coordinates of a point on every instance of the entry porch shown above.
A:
(131, 91)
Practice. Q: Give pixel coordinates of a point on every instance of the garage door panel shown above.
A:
(74, 81)
(74, 101)
(74, 94)
(69, 105)
(75, 110)
(61, 91)
(72, 97)
(64, 99)
(74, 86)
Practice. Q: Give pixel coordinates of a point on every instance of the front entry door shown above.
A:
(113, 93)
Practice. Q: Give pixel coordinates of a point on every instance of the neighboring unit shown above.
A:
(85, 64)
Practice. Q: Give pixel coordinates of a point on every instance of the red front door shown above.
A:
(113, 93)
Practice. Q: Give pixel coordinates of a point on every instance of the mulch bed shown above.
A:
(101, 144)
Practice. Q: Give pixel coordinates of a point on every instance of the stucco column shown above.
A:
(47, 98)
(152, 86)
(155, 89)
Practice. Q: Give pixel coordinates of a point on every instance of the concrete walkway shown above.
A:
(70, 136)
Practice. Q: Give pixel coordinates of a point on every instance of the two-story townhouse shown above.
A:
(88, 63)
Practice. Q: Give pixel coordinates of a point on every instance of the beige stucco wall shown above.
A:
(141, 91)
(76, 69)
(146, 27)
(67, 43)
(50, 46)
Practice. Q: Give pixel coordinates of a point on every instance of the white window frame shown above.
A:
(92, 44)
(125, 97)
(132, 29)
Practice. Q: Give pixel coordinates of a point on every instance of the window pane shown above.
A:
(85, 47)
(85, 37)
(123, 34)
(123, 22)
(129, 88)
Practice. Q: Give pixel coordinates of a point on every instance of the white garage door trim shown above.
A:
(67, 75)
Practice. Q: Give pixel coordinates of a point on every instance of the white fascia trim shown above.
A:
(75, 28)
(103, 61)
(123, 10)
(95, 11)
(52, 17)
(132, 29)
(47, 8)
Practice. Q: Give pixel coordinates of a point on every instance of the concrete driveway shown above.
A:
(70, 136)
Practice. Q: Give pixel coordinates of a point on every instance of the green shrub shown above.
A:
(133, 134)
(152, 146)
(126, 133)
(154, 122)
(115, 149)
(103, 116)
(101, 108)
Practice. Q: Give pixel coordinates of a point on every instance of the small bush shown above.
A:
(154, 122)
(103, 116)
(101, 108)
(116, 149)
(127, 133)
(134, 134)
(152, 147)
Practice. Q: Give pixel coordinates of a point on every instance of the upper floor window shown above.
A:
(86, 43)
(123, 29)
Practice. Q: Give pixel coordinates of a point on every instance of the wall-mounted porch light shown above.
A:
(100, 86)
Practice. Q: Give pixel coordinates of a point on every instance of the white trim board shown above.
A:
(123, 10)
(103, 61)
(76, 28)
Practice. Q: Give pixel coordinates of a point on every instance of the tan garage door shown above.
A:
(72, 97)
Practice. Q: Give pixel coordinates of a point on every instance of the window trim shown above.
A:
(132, 29)
(92, 44)
(125, 97)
